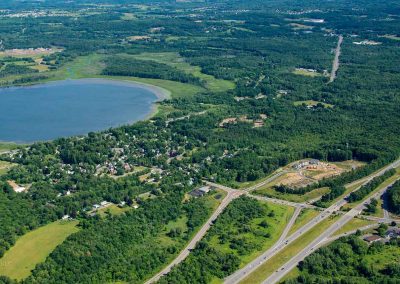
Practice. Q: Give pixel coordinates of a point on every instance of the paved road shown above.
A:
(380, 220)
(335, 64)
(292, 263)
(290, 224)
(232, 194)
(263, 198)
(334, 238)
(268, 180)
(367, 179)
(252, 266)
(267, 254)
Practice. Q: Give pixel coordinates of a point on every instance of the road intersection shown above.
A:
(283, 241)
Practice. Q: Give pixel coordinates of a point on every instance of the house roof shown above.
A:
(372, 238)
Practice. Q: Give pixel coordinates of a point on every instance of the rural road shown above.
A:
(232, 194)
(316, 243)
(335, 64)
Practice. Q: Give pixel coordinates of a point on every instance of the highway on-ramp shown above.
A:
(278, 247)
(316, 243)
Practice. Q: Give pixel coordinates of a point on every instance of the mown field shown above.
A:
(33, 248)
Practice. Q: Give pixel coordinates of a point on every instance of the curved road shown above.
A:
(252, 266)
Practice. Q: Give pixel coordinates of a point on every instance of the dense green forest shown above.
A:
(351, 260)
(124, 248)
(257, 46)
(393, 196)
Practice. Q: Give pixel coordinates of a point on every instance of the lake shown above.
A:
(71, 107)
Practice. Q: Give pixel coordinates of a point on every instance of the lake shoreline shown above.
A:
(159, 93)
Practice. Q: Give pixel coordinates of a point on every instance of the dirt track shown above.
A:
(335, 65)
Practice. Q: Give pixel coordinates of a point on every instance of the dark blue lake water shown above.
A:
(70, 107)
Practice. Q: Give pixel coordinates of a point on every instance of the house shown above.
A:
(199, 192)
(104, 203)
(196, 193)
(393, 233)
(372, 239)
(205, 189)
(96, 206)
(258, 123)
(122, 204)
(65, 217)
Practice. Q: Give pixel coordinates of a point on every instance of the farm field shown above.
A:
(33, 248)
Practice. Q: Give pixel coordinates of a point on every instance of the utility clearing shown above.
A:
(335, 65)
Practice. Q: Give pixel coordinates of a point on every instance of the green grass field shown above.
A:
(113, 210)
(175, 60)
(33, 248)
(266, 269)
(7, 146)
(5, 167)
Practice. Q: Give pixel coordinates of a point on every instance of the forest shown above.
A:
(239, 135)
(351, 260)
(393, 196)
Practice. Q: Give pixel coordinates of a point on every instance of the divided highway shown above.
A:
(315, 244)
(278, 247)
(239, 275)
